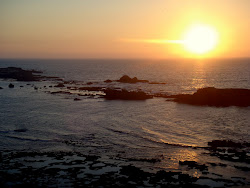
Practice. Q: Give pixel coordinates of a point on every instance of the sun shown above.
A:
(200, 39)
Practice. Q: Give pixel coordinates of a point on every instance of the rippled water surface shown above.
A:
(35, 120)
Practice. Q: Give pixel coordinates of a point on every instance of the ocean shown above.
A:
(129, 132)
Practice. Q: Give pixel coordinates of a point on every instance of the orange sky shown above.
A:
(97, 29)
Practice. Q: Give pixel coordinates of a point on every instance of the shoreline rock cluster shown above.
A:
(43, 169)
(19, 74)
(209, 96)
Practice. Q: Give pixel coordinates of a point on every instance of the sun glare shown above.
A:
(200, 39)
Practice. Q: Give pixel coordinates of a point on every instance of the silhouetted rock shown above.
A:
(123, 94)
(11, 85)
(230, 150)
(215, 97)
(193, 164)
(108, 81)
(77, 99)
(60, 85)
(224, 143)
(61, 92)
(19, 74)
(127, 79)
(20, 130)
(1, 88)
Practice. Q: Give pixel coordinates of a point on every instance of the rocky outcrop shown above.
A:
(127, 79)
(11, 85)
(123, 94)
(211, 96)
(19, 74)
(60, 85)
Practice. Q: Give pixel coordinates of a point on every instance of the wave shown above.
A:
(31, 139)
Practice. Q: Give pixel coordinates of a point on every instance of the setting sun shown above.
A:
(200, 39)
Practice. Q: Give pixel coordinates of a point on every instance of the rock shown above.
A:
(193, 164)
(153, 160)
(77, 99)
(60, 92)
(11, 85)
(243, 168)
(19, 74)
(1, 88)
(20, 130)
(127, 79)
(211, 96)
(89, 83)
(60, 85)
(224, 143)
(123, 94)
(108, 81)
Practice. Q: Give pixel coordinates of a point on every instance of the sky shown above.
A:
(118, 28)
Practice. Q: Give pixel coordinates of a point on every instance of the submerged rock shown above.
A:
(211, 96)
(123, 94)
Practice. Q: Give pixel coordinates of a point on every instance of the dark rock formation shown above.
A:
(90, 88)
(127, 79)
(77, 99)
(108, 81)
(123, 94)
(193, 164)
(20, 130)
(11, 85)
(60, 85)
(225, 143)
(211, 96)
(61, 92)
(230, 150)
(1, 88)
(19, 74)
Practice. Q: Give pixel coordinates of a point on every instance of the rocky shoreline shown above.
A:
(76, 169)
(209, 96)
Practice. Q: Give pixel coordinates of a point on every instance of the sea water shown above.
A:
(37, 120)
